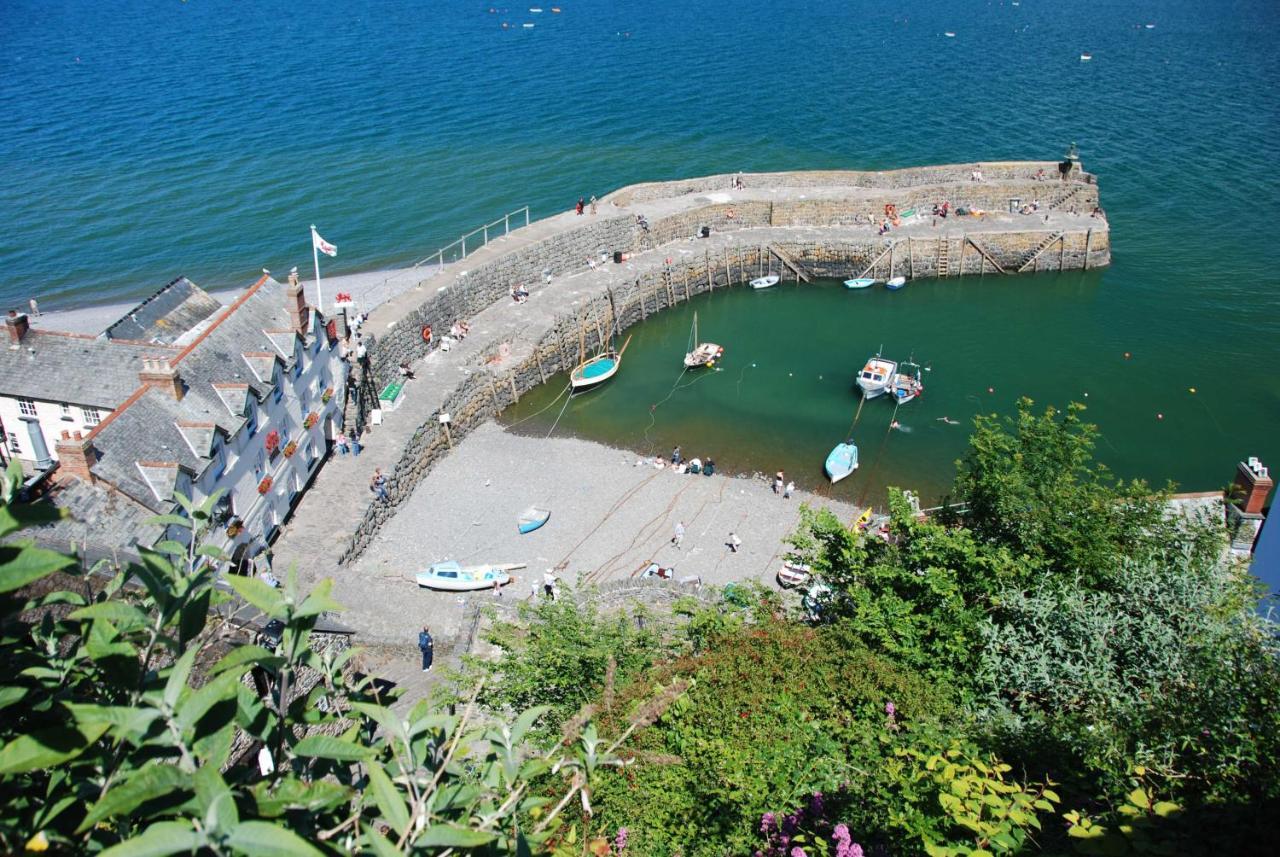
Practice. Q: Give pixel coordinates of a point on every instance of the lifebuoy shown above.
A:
(426, 333)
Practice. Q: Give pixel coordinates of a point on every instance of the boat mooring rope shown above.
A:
(893, 421)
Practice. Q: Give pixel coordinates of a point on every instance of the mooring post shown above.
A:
(1088, 244)
(706, 259)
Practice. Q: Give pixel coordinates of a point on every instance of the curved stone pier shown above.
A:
(799, 225)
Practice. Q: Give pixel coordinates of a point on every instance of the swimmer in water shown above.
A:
(895, 425)
(949, 421)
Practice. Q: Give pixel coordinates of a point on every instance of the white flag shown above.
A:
(323, 246)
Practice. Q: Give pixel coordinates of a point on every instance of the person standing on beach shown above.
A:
(549, 584)
(734, 542)
(594, 204)
(678, 536)
(580, 206)
(675, 456)
(786, 492)
(35, 307)
(427, 646)
(777, 482)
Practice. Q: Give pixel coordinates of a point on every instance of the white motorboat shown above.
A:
(859, 283)
(875, 376)
(895, 283)
(452, 577)
(765, 282)
(704, 353)
(906, 384)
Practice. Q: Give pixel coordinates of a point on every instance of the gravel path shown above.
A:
(610, 516)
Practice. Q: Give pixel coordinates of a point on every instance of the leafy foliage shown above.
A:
(124, 710)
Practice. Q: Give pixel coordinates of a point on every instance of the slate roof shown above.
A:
(100, 521)
(68, 367)
(142, 447)
(167, 315)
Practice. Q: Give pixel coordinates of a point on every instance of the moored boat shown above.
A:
(842, 461)
(794, 574)
(906, 384)
(597, 370)
(859, 283)
(875, 376)
(765, 282)
(895, 283)
(704, 353)
(532, 518)
(452, 577)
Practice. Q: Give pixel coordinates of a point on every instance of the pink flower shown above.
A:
(767, 822)
(890, 709)
(620, 840)
(797, 852)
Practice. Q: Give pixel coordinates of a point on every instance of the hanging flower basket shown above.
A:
(235, 527)
(310, 420)
(326, 395)
(290, 448)
(272, 442)
(265, 485)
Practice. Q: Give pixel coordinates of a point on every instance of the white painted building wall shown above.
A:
(50, 419)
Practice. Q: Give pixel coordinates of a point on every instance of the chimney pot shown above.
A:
(66, 435)
(17, 325)
(76, 457)
(161, 375)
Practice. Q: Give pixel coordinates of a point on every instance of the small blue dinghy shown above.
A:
(532, 518)
(859, 283)
(842, 461)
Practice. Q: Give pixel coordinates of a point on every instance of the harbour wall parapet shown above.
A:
(794, 235)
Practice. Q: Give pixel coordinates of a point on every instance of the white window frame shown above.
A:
(92, 416)
(26, 407)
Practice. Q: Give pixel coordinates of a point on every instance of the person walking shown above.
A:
(427, 646)
(580, 206)
(786, 492)
(378, 485)
(594, 204)
(549, 584)
(678, 536)
(355, 443)
(341, 442)
(734, 542)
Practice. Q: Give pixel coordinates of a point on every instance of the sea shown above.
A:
(144, 140)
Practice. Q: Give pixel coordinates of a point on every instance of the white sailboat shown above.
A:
(703, 353)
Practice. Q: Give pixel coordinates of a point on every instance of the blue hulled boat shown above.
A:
(842, 461)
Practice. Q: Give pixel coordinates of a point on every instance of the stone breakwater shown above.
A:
(798, 225)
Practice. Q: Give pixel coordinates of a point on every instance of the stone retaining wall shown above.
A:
(490, 388)
(904, 178)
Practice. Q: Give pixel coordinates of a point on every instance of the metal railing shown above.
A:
(403, 280)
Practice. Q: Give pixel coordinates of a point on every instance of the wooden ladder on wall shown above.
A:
(944, 257)
(786, 260)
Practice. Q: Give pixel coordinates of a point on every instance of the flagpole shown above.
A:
(315, 254)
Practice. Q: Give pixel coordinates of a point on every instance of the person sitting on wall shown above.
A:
(519, 293)
(709, 468)
(406, 372)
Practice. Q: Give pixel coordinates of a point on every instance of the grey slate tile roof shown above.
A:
(142, 446)
(68, 367)
(101, 520)
(168, 314)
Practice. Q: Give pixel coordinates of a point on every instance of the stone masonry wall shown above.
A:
(489, 388)
(889, 179)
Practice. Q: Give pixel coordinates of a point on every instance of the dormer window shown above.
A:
(251, 421)
(278, 393)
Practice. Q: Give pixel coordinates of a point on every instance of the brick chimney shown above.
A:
(159, 374)
(76, 456)
(295, 303)
(1252, 486)
(18, 325)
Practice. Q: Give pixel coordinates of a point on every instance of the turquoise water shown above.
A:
(145, 140)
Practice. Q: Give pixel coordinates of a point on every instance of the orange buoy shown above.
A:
(426, 333)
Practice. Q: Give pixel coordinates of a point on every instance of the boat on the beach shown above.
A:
(842, 461)
(765, 282)
(452, 577)
(794, 574)
(875, 376)
(532, 518)
(906, 384)
(703, 353)
(895, 283)
(597, 370)
(859, 283)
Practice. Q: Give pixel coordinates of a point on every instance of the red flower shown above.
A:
(265, 485)
(272, 441)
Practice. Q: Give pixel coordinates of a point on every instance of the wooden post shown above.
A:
(964, 245)
(711, 283)
(893, 251)
(760, 252)
(644, 313)
(911, 258)
(515, 392)
(448, 437)
(728, 278)
(541, 372)
(1088, 244)
(1062, 251)
(686, 281)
